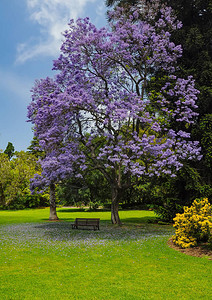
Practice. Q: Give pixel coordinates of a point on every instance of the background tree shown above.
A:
(10, 150)
(34, 148)
(96, 113)
(5, 177)
(15, 177)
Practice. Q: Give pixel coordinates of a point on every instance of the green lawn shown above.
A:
(49, 260)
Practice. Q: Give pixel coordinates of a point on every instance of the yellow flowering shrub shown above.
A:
(194, 225)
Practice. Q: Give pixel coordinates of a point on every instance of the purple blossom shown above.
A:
(97, 113)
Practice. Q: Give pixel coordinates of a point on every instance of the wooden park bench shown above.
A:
(86, 222)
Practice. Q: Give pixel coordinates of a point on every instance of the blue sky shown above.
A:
(30, 38)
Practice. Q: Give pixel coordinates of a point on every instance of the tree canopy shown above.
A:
(195, 38)
(99, 113)
(15, 177)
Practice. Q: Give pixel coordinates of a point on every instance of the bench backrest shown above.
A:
(85, 221)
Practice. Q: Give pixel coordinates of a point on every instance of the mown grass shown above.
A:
(69, 214)
(49, 260)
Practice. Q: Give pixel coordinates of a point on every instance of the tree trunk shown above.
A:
(53, 214)
(115, 207)
(2, 197)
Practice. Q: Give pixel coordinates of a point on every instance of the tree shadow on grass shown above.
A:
(87, 210)
(125, 221)
(58, 221)
(140, 220)
(63, 231)
(70, 210)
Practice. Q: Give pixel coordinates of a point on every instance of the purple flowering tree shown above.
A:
(97, 113)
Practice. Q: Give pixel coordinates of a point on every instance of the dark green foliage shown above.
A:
(92, 191)
(34, 148)
(71, 192)
(27, 200)
(195, 37)
(10, 150)
(205, 127)
(167, 196)
(131, 198)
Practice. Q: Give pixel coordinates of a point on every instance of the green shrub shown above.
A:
(166, 210)
(194, 225)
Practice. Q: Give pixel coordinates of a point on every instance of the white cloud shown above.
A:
(52, 16)
(100, 10)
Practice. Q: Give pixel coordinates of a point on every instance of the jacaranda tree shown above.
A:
(99, 113)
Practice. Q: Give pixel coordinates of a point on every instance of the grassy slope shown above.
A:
(44, 260)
